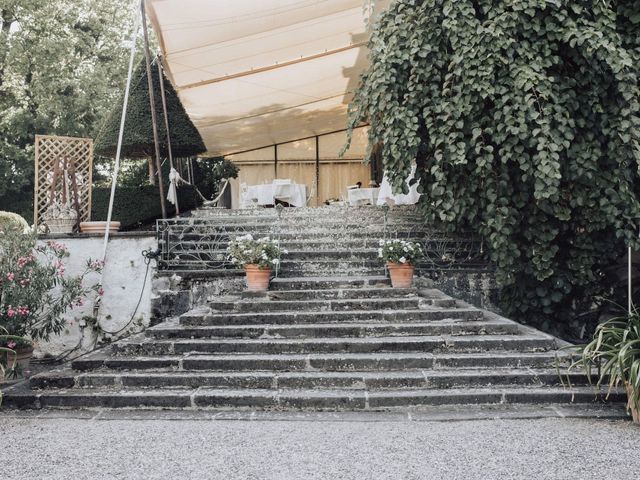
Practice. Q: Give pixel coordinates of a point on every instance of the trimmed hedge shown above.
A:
(135, 207)
(138, 133)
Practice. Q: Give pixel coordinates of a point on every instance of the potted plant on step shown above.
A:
(35, 292)
(614, 353)
(15, 355)
(401, 257)
(258, 257)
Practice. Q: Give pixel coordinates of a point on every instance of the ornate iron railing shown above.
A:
(188, 244)
(200, 243)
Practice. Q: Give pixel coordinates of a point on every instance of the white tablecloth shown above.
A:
(292, 193)
(386, 194)
(362, 196)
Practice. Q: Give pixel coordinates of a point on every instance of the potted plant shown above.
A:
(15, 355)
(615, 353)
(258, 257)
(35, 291)
(400, 256)
(60, 217)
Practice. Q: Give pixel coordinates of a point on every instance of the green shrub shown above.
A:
(137, 206)
(35, 291)
(523, 120)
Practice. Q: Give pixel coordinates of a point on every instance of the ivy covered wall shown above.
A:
(523, 119)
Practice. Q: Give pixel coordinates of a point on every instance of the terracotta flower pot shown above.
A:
(22, 359)
(401, 274)
(257, 278)
(99, 227)
(634, 411)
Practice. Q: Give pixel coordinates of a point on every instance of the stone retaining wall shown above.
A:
(122, 282)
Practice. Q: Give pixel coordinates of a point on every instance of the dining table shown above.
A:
(284, 190)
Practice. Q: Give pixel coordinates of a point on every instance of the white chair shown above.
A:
(245, 201)
(311, 193)
(282, 189)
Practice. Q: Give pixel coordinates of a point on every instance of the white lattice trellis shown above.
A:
(51, 151)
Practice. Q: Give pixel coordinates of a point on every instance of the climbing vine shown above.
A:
(523, 119)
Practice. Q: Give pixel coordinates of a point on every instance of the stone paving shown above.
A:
(348, 445)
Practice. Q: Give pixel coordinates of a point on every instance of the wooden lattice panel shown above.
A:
(50, 150)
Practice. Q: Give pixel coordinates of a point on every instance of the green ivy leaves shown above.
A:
(524, 120)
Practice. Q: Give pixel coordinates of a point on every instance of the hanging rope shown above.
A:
(174, 176)
(116, 168)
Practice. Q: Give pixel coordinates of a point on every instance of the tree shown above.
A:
(138, 141)
(523, 120)
(62, 64)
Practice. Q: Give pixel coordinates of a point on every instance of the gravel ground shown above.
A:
(550, 448)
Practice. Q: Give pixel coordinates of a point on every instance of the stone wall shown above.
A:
(123, 285)
(477, 287)
(174, 294)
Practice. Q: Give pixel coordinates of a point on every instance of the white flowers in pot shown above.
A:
(257, 257)
(264, 252)
(400, 256)
(399, 251)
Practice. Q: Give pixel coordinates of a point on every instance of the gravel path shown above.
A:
(550, 448)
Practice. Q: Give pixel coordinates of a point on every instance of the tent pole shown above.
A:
(317, 171)
(166, 124)
(152, 103)
(275, 160)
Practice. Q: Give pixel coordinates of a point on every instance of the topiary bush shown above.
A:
(138, 133)
(523, 120)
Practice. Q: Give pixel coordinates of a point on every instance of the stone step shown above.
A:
(311, 222)
(302, 399)
(304, 218)
(338, 305)
(204, 233)
(440, 327)
(314, 268)
(343, 293)
(333, 282)
(200, 318)
(331, 247)
(423, 379)
(320, 361)
(214, 268)
(343, 247)
(443, 343)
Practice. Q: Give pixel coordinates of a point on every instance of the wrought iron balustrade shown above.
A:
(188, 244)
(200, 243)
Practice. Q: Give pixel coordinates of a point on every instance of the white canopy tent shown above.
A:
(255, 73)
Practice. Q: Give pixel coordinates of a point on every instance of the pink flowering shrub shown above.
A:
(35, 291)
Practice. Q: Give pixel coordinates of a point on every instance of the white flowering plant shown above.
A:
(264, 252)
(400, 251)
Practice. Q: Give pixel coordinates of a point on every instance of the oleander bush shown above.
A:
(35, 290)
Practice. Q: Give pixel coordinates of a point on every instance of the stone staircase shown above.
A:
(331, 334)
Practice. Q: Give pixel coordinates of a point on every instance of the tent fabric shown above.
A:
(254, 73)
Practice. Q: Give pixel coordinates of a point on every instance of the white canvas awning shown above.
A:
(253, 73)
